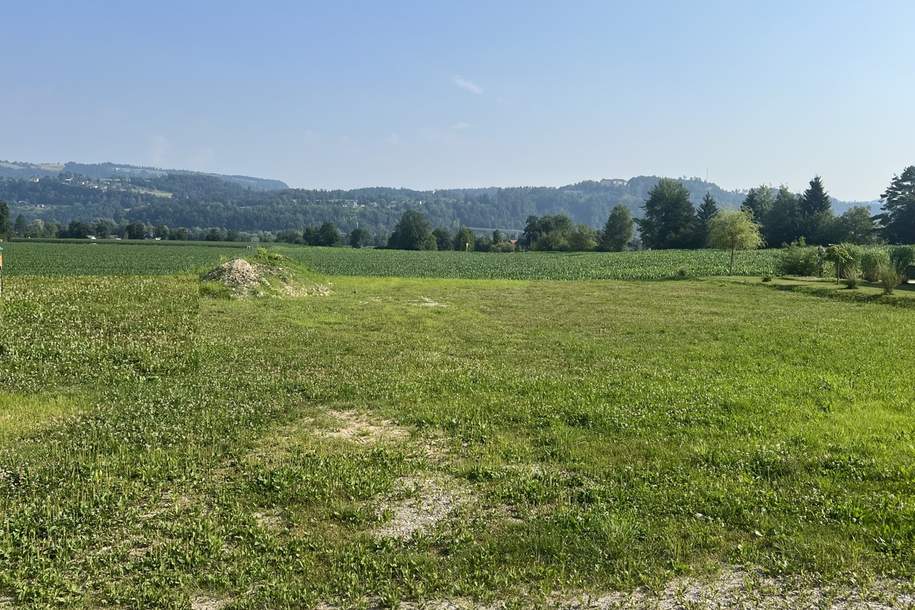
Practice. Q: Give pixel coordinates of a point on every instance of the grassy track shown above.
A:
(588, 436)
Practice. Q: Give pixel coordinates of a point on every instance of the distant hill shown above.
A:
(178, 198)
(17, 169)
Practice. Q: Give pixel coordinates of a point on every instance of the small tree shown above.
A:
(4, 219)
(845, 258)
(328, 235)
(618, 230)
(464, 239)
(734, 231)
(359, 238)
(442, 239)
(582, 239)
(20, 227)
(412, 233)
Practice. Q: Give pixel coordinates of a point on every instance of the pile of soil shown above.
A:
(238, 274)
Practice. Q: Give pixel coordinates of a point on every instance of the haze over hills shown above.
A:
(18, 169)
(65, 192)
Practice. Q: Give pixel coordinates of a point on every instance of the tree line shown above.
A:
(669, 220)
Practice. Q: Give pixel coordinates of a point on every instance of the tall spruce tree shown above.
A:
(815, 200)
(4, 220)
(815, 210)
(670, 219)
(707, 210)
(898, 216)
(618, 230)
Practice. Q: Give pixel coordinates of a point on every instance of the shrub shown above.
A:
(798, 259)
(852, 276)
(889, 278)
(872, 262)
(902, 257)
(845, 258)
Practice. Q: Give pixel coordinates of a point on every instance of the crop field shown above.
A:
(112, 258)
(465, 443)
(641, 265)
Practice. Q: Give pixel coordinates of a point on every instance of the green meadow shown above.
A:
(389, 441)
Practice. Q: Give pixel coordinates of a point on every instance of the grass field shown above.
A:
(408, 439)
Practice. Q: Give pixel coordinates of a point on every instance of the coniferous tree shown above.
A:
(618, 230)
(758, 202)
(898, 216)
(816, 212)
(815, 200)
(4, 219)
(707, 210)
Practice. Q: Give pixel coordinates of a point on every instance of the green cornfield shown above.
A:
(640, 265)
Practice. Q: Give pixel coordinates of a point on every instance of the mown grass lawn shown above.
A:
(565, 437)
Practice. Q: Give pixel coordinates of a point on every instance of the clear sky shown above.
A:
(440, 94)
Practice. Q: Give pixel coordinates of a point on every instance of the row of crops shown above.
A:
(156, 258)
(640, 265)
(125, 258)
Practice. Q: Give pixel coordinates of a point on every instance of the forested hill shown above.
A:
(101, 171)
(186, 199)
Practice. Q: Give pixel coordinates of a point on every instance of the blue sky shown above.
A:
(441, 94)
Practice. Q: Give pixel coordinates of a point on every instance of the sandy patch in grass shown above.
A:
(427, 302)
(736, 588)
(202, 602)
(270, 520)
(429, 500)
(358, 428)
(308, 290)
(731, 588)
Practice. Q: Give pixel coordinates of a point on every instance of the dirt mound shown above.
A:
(238, 274)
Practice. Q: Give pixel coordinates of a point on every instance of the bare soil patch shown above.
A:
(429, 500)
(736, 588)
(427, 302)
(358, 428)
(201, 602)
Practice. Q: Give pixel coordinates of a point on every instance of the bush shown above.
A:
(845, 258)
(889, 278)
(872, 262)
(798, 259)
(852, 276)
(902, 257)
